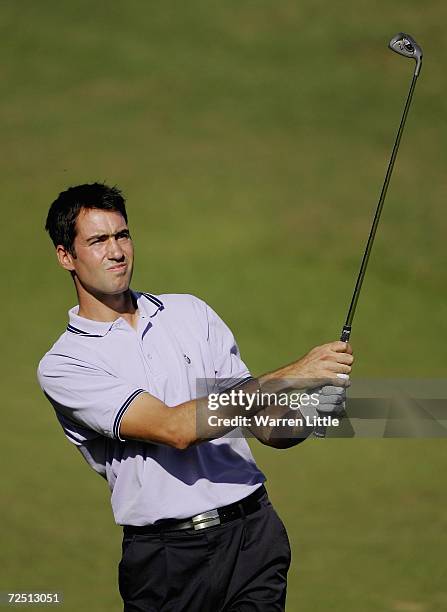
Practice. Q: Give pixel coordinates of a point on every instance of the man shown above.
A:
(199, 530)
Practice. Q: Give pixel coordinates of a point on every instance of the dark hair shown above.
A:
(61, 219)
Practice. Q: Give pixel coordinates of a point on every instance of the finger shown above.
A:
(331, 399)
(343, 358)
(336, 374)
(340, 347)
(328, 390)
(339, 379)
(333, 409)
(332, 394)
(346, 379)
(338, 368)
(334, 404)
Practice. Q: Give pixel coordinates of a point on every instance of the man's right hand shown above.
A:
(322, 364)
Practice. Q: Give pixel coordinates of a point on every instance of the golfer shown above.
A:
(199, 531)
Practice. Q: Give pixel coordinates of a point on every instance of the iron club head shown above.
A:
(405, 45)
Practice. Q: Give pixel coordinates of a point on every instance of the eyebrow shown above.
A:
(124, 230)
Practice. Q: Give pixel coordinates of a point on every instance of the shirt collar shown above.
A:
(148, 305)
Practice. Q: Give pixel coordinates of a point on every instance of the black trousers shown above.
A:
(240, 566)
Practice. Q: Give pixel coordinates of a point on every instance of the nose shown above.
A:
(114, 250)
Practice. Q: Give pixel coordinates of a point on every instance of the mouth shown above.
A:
(118, 268)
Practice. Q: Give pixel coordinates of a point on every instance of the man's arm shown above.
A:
(149, 419)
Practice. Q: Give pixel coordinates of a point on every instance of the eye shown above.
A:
(124, 234)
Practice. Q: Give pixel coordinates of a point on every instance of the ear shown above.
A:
(65, 258)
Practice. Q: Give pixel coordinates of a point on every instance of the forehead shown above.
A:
(96, 221)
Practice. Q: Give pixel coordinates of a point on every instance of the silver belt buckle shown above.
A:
(206, 519)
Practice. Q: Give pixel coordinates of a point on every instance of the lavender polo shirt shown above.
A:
(96, 369)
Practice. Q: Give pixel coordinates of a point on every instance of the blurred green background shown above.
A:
(251, 140)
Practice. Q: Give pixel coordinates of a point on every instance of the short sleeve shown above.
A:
(85, 397)
(227, 359)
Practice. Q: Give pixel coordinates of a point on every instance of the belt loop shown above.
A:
(241, 507)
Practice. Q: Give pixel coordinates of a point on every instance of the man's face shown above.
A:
(103, 260)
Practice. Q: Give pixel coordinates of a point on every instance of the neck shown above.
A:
(102, 307)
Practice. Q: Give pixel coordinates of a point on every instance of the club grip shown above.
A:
(320, 430)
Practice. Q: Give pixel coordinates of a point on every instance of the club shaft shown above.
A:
(320, 431)
(372, 234)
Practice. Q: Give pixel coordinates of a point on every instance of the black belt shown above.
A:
(218, 516)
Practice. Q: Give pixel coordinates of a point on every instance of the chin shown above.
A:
(120, 285)
(116, 288)
(119, 289)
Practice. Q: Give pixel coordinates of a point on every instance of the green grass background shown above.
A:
(251, 140)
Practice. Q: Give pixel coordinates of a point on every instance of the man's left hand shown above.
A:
(331, 400)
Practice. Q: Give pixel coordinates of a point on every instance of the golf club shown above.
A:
(405, 45)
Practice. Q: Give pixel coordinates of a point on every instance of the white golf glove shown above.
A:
(332, 400)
